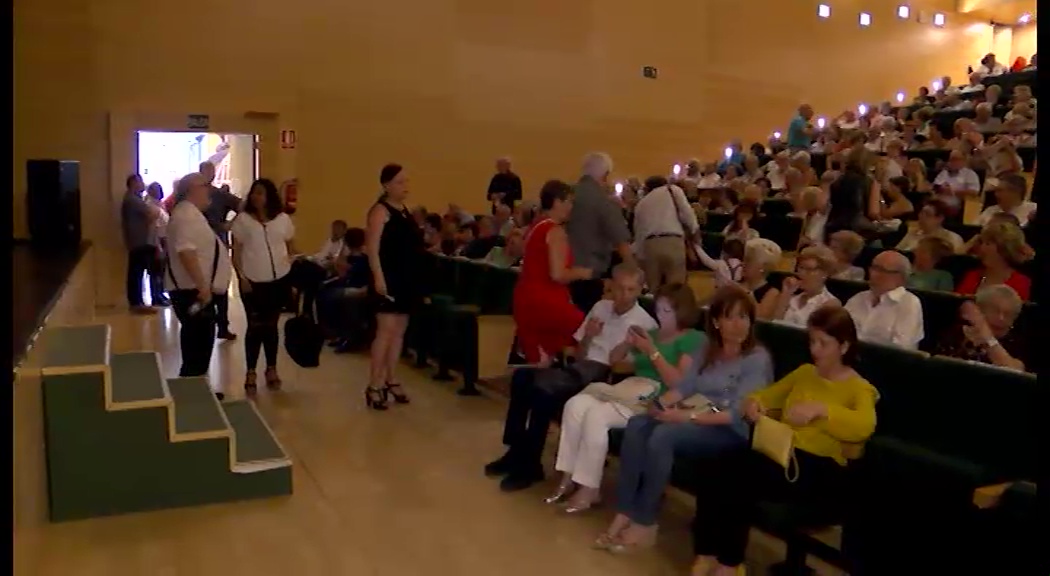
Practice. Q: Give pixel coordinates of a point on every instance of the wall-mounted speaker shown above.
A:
(53, 204)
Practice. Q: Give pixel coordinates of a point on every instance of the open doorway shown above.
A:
(164, 157)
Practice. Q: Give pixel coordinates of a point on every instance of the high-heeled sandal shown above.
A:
(621, 547)
(250, 387)
(574, 508)
(375, 398)
(565, 489)
(273, 381)
(394, 389)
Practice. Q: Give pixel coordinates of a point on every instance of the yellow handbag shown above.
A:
(776, 441)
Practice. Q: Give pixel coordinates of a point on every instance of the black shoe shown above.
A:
(226, 335)
(396, 391)
(375, 398)
(521, 480)
(500, 467)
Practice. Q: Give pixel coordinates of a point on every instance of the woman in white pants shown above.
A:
(663, 356)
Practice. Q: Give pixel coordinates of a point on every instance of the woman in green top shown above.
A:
(925, 276)
(663, 356)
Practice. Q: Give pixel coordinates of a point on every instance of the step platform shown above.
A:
(120, 438)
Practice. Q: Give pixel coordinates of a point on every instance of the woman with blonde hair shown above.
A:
(760, 258)
(806, 291)
(846, 246)
(915, 170)
(1001, 249)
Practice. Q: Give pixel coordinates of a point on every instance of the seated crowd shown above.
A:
(701, 392)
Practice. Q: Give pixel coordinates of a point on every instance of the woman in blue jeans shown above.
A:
(731, 365)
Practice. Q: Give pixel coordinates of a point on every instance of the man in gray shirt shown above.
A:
(596, 229)
(222, 203)
(136, 222)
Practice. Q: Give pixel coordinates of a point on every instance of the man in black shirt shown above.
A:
(505, 186)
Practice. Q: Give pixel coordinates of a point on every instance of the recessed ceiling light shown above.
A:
(938, 20)
(865, 19)
(903, 11)
(823, 10)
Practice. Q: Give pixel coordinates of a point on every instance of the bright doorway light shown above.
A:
(903, 11)
(823, 11)
(938, 20)
(164, 157)
(865, 19)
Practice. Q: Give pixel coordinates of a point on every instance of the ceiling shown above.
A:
(1001, 11)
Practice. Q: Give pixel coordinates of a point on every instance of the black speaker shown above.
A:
(53, 203)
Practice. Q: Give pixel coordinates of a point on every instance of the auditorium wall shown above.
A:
(1023, 43)
(446, 86)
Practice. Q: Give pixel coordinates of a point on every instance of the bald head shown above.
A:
(193, 187)
(207, 169)
(889, 270)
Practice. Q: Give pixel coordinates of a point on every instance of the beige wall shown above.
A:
(1023, 42)
(446, 86)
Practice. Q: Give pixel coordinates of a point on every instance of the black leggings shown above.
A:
(196, 333)
(263, 306)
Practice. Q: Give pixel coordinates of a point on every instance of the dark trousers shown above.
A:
(196, 333)
(537, 396)
(586, 293)
(140, 260)
(306, 276)
(262, 306)
(158, 268)
(222, 311)
(733, 484)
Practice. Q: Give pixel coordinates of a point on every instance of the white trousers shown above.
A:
(584, 442)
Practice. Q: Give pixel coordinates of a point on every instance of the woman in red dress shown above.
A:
(545, 316)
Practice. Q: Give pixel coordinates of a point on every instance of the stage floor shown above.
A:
(36, 282)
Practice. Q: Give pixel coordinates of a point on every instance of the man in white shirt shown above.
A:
(537, 394)
(957, 181)
(1010, 192)
(709, 177)
(663, 220)
(332, 247)
(777, 169)
(199, 267)
(887, 313)
(989, 67)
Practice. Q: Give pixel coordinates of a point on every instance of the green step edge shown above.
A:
(197, 411)
(256, 446)
(72, 349)
(135, 378)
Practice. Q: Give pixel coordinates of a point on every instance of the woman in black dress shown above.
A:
(395, 249)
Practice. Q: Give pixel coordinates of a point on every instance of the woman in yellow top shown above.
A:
(830, 407)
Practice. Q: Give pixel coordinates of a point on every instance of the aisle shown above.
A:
(385, 494)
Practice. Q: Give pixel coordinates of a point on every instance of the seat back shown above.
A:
(788, 345)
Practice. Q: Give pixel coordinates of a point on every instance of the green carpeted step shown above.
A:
(256, 447)
(73, 349)
(136, 380)
(197, 411)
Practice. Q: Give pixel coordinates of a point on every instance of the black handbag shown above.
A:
(205, 311)
(303, 340)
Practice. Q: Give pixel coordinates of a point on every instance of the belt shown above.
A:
(663, 235)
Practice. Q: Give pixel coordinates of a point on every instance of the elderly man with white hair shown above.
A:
(505, 186)
(887, 313)
(200, 267)
(663, 220)
(596, 229)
